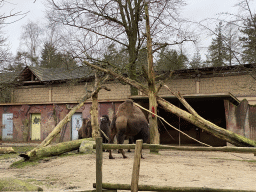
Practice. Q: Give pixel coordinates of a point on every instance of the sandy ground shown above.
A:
(172, 168)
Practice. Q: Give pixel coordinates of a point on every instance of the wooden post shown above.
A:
(99, 164)
(136, 166)
(94, 112)
(153, 127)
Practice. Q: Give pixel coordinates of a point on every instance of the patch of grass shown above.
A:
(36, 182)
(23, 149)
(244, 160)
(10, 184)
(18, 150)
(22, 164)
(8, 156)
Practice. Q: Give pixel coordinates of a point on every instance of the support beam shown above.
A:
(168, 188)
(152, 146)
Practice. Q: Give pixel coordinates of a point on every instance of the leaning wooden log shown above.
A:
(197, 120)
(55, 150)
(66, 119)
(208, 126)
(167, 188)
(6, 150)
(155, 146)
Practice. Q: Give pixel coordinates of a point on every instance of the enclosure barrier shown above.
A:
(136, 166)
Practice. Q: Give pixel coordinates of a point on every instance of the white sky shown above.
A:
(195, 10)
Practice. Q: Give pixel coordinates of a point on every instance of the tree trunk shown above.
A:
(55, 150)
(207, 126)
(200, 122)
(154, 134)
(94, 115)
(5, 150)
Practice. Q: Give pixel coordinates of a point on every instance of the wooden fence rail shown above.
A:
(136, 166)
(112, 186)
(154, 146)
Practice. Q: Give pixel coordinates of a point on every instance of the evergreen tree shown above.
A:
(118, 58)
(196, 61)
(171, 60)
(217, 50)
(51, 58)
(249, 40)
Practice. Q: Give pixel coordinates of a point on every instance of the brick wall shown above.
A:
(31, 95)
(240, 86)
(184, 86)
(68, 93)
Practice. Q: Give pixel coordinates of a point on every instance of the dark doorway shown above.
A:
(210, 109)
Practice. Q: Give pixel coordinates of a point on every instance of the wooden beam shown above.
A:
(168, 188)
(155, 146)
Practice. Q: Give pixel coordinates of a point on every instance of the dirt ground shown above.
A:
(172, 168)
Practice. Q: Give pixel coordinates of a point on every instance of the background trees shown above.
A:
(119, 22)
(171, 60)
(217, 50)
(249, 40)
(51, 58)
(31, 40)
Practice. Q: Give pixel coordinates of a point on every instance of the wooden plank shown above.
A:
(168, 188)
(168, 147)
(99, 164)
(136, 166)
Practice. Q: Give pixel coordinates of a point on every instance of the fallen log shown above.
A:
(55, 150)
(208, 126)
(6, 150)
(156, 146)
(112, 186)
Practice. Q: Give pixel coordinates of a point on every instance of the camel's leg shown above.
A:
(120, 140)
(111, 140)
(131, 141)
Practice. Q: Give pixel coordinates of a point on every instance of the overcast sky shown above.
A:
(195, 10)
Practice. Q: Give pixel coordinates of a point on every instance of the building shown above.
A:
(45, 96)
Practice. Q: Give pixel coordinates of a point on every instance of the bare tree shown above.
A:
(122, 22)
(12, 14)
(31, 39)
(6, 18)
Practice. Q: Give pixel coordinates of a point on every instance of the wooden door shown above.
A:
(36, 126)
(76, 124)
(7, 128)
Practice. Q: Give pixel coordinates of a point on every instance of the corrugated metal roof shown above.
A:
(55, 74)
